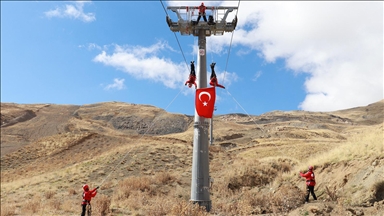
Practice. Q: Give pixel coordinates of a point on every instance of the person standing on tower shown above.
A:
(201, 13)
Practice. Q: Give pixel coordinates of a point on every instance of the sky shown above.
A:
(312, 56)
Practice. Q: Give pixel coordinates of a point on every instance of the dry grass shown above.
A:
(55, 204)
(363, 143)
(164, 178)
(71, 206)
(332, 193)
(49, 194)
(378, 190)
(258, 177)
(32, 206)
(102, 205)
(8, 209)
(72, 191)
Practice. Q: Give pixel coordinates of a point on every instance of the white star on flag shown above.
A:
(205, 101)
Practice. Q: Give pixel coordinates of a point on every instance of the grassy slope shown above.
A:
(254, 161)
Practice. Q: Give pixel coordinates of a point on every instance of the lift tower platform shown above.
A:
(217, 24)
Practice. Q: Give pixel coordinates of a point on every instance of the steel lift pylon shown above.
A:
(187, 25)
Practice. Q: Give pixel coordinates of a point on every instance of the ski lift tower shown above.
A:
(215, 25)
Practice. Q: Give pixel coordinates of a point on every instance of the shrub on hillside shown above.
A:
(72, 191)
(378, 191)
(32, 206)
(7, 210)
(130, 184)
(164, 178)
(102, 204)
(286, 198)
(49, 194)
(252, 177)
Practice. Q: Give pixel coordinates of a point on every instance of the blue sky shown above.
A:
(315, 56)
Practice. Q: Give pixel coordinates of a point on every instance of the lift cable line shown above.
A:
(216, 24)
(184, 28)
(230, 45)
(126, 154)
(149, 127)
(177, 39)
(225, 71)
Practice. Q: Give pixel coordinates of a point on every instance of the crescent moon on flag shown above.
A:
(204, 93)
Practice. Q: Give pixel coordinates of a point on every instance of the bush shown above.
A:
(72, 191)
(8, 210)
(251, 177)
(55, 204)
(131, 184)
(49, 194)
(164, 178)
(32, 206)
(378, 191)
(102, 204)
(184, 208)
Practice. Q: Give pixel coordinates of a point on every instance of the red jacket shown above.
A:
(202, 9)
(310, 178)
(214, 82)
(87, 196)
(191, 81)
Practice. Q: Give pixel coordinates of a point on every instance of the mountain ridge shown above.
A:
(45, 143)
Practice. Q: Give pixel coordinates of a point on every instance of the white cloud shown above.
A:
(143, 63)
(91, 46)
(226, 78)
(257, 75)
(74, 11)
(117, 84)
(338, 44)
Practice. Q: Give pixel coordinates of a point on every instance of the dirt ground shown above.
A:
(47, 147)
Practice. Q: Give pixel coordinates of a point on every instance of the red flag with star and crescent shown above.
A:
(205, 102)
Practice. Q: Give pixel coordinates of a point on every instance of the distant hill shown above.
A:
(49, 147)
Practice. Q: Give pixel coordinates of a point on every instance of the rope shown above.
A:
(153, 122)
(177, 39)
(150, 127)
(195, 45)
(225, 71)
(230, 45)
(244, 110)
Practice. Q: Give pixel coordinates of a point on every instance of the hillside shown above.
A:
(141, 157)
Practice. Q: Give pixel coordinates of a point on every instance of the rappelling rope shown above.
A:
(230, 45)
(177, 39)
(225, 71)
(153, 122)
(149, 127)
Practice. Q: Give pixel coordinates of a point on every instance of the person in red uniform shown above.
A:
(213, 81)
(192, 76)
(201, 13)
(87, 196)
(310, 182)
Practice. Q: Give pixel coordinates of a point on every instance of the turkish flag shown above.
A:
(205, 101)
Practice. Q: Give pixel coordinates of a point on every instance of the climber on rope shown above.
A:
(213, 81)
(87, 196)
(192, 76)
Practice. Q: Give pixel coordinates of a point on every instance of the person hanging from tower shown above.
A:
(214, 81)
(192, 76)
(201, 13)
